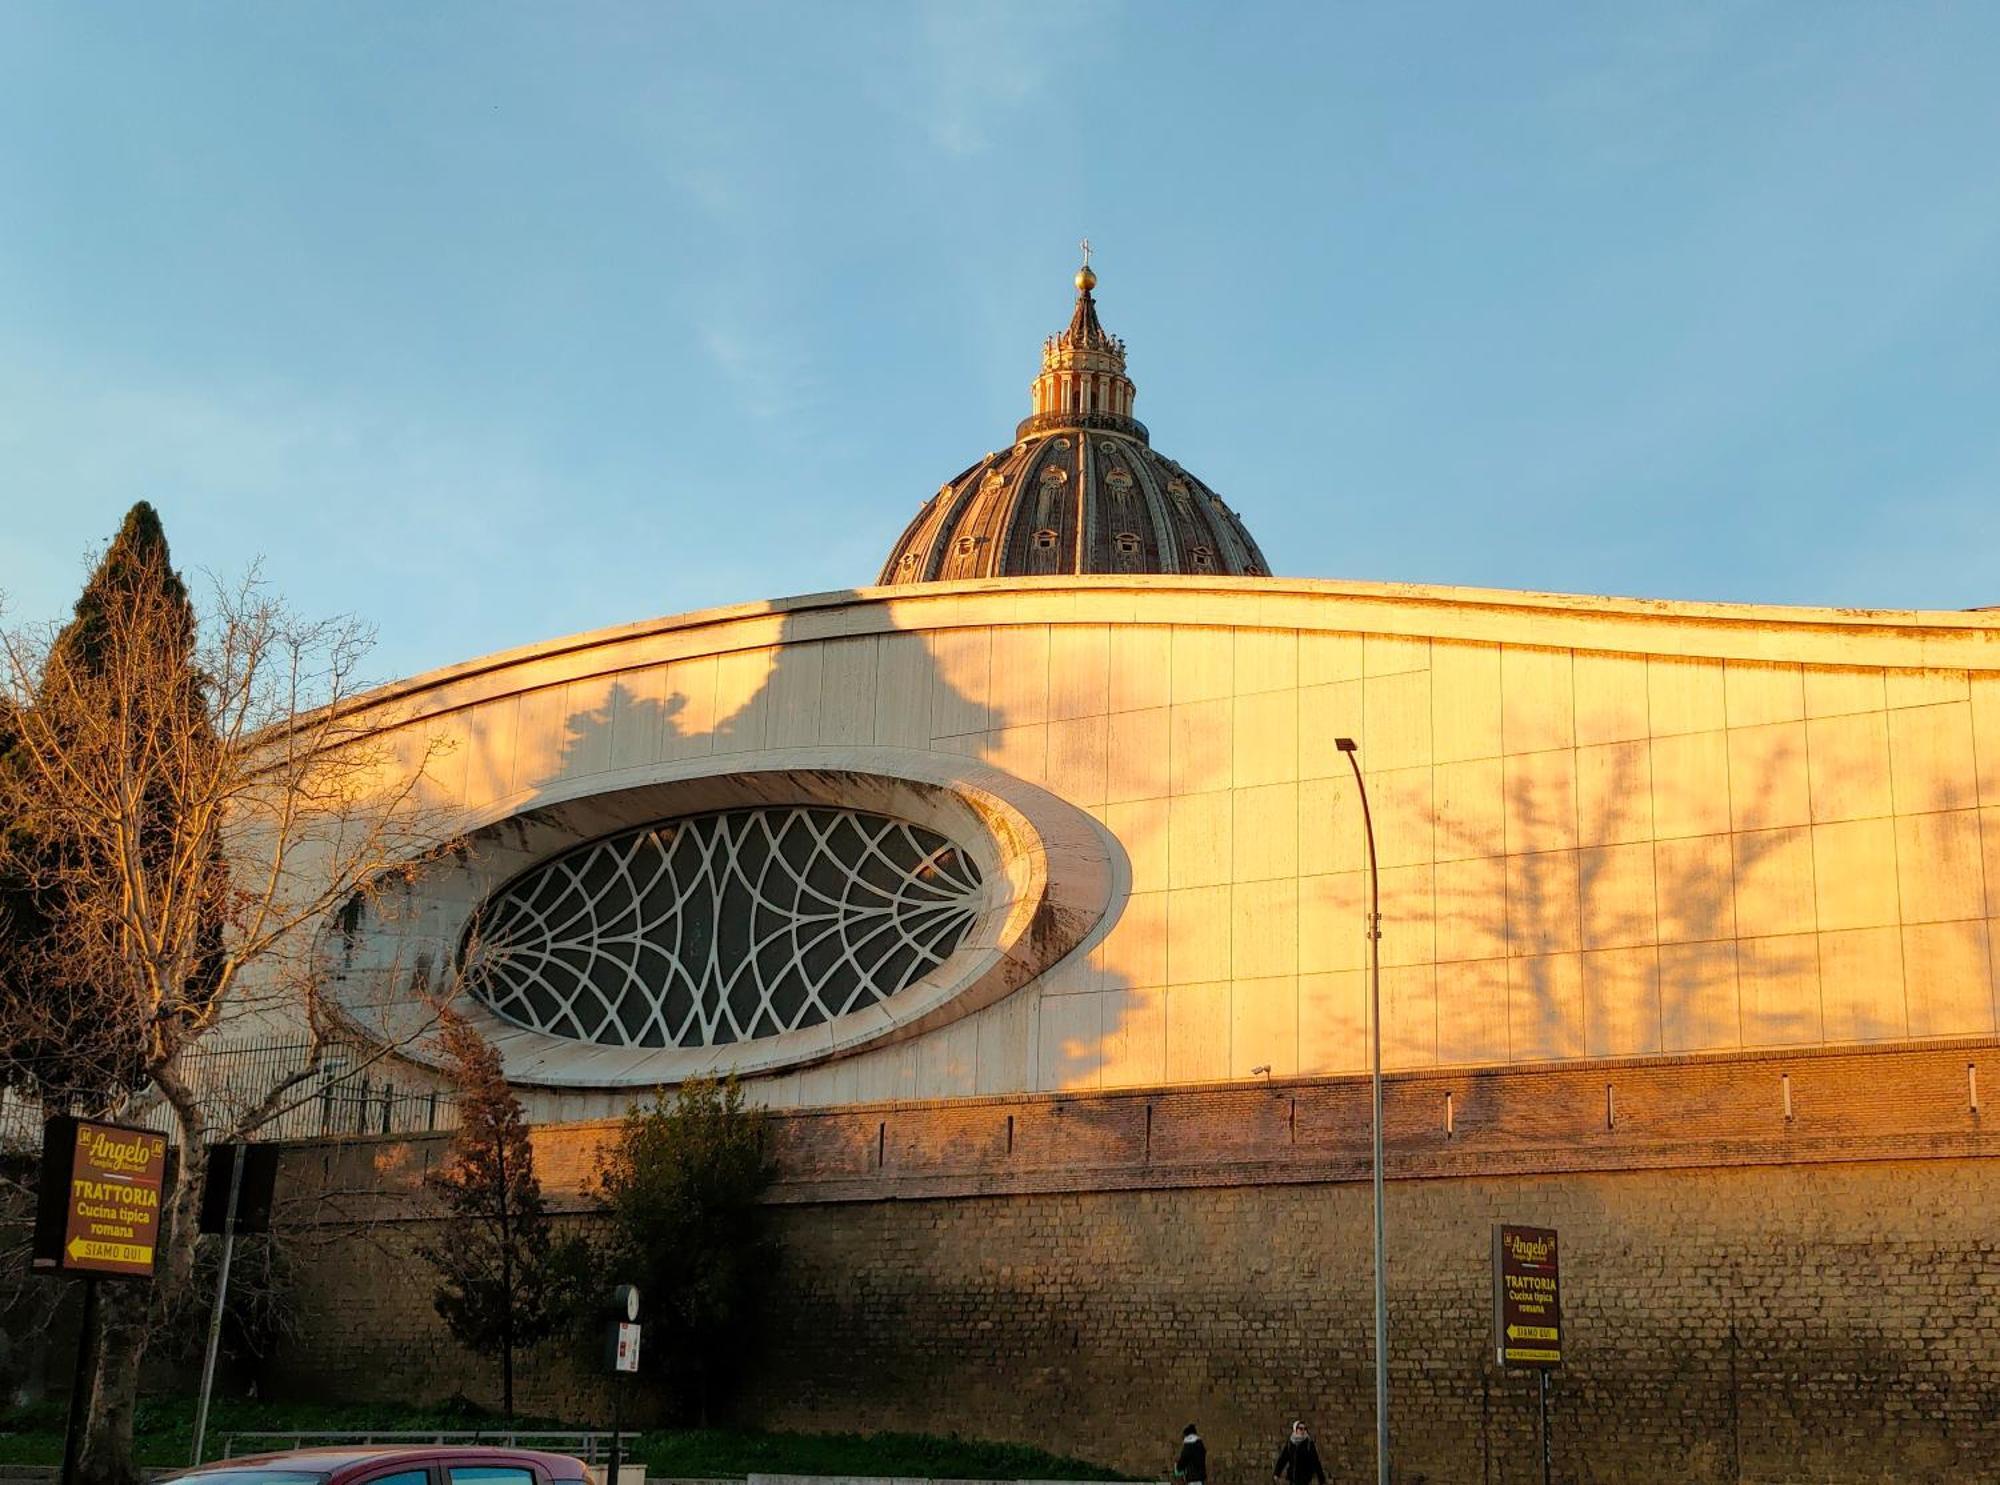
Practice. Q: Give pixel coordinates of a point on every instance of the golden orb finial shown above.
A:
(1085, 279)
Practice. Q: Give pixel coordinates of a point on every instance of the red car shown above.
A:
(424, 1464)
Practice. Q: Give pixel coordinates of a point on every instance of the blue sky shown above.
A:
(493, 323)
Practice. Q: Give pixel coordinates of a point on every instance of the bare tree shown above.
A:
(190, 795)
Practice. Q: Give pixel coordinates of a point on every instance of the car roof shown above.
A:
(332, 1457)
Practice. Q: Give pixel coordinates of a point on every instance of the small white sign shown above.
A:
(626, 1358)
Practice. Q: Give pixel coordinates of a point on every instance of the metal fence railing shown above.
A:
(348, 1092)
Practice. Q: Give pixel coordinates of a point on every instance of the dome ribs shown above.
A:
(909, 543)
(1080, 501)
(1081, 491)
(1163, 549)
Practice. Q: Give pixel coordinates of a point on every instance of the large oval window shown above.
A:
(723, 927)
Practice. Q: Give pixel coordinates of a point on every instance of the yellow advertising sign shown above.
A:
(1527, 1297)
(102, 1186)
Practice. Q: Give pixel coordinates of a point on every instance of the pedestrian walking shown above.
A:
(1191, 1464)
(1298, 1462)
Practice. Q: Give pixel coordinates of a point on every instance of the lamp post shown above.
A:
(1347, 746)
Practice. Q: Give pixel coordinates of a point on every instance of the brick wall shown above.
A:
(1747, 1296)
(1839, 1323)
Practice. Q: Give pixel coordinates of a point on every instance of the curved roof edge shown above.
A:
(1961, 638)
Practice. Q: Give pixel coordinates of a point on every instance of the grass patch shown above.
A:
(164, 1433)
(700, 1452)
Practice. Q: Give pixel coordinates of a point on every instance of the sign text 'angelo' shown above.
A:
(99, 1204)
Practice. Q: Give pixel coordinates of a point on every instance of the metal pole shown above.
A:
(79, 1387)
(611, 1472)
(239, 1151)
(1548, 1455)
(1346, 745)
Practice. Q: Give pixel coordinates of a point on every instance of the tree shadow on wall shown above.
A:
(805, 684)
(1517, 936)
(1687, 923)
(1622, 937)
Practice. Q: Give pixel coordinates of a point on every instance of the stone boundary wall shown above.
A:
(1748, 1297)
(1834, 1323)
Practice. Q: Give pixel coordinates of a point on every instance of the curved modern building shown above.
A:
(1029, 887)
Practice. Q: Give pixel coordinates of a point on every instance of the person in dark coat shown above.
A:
(1298, 1462)
(1191, 1464)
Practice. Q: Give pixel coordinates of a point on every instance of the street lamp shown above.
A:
(1347, 746)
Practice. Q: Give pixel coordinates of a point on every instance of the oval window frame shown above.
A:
(1055, 874)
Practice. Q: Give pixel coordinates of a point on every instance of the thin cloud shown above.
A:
(768, 370)
(354, 507)
(985, 64)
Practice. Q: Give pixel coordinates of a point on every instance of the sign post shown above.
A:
(623, 1354)
(97, 1217)
(239, 1201)
(79, 1385)
(1527, 1312)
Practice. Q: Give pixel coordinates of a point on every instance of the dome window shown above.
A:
(1127, 543)
(1045, 540)
(1118, 477)
(1202, 559)
(1053, 474)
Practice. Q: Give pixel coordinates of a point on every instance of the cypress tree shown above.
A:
(67, 1042)
(148, 751)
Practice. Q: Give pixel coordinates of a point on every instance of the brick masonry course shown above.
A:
(1747, 1296)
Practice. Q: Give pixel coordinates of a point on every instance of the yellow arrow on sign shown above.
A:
(1531, 1333)
(81, 1251)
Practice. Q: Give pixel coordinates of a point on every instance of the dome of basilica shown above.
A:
(1080, 491)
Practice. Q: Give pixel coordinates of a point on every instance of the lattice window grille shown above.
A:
(722, 928)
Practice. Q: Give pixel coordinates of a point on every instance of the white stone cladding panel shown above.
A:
(1605, 830)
